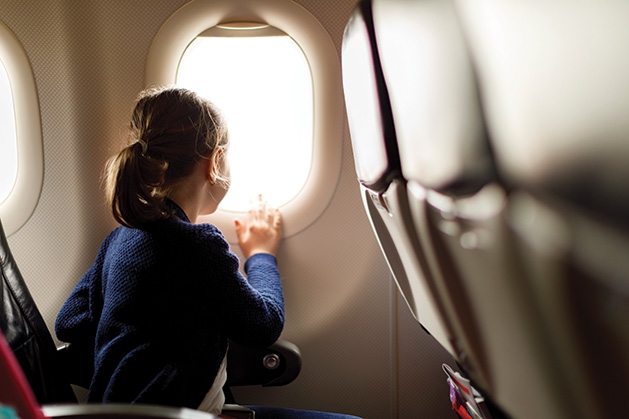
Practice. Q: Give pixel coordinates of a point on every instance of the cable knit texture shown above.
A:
(159, 306)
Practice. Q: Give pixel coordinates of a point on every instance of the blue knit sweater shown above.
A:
(159, 306)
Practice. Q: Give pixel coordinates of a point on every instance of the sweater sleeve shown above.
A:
(253, 308)
(78, 318)
(74, 320)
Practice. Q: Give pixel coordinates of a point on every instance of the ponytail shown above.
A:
(133, 187)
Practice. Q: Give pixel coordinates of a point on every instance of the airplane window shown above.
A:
(21, 152)
(275, 72)
(8, 140)
(260, 79)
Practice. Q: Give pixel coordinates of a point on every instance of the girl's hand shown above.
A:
(260, 232)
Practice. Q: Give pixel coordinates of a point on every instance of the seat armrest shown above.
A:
(121, 411)
(276, 365)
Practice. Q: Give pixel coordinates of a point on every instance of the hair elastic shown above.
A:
(144, 146)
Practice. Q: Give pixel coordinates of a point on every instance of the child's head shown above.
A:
(171, 131)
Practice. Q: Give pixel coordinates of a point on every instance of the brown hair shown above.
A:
(171, 130)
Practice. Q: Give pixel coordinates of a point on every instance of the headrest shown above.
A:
(367, 101)
(434, 97)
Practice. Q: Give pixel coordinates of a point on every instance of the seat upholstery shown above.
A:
(27, 334)
(15, 391)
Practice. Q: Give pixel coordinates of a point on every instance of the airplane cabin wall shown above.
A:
(363, 353)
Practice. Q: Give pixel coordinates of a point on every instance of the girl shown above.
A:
(165, 295)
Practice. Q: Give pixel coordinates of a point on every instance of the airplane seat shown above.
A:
(458, 199)
(396, 202)
(444, 153)
(28, 336)
(377, 164)
(15, 392)
(554, 78)
(50, 371)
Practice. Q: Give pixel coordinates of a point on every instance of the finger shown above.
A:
(270, 215)
(277, 219)
(238, 227)
(251, 213)
(261, 210)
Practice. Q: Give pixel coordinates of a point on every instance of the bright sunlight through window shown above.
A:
(8, 138)
(260, 79)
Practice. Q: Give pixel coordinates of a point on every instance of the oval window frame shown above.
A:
(198, 16)
(20, 204)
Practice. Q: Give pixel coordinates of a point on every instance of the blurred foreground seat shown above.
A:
(503, 127)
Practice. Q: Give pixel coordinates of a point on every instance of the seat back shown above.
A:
(383, 189)
(554, 79)
(510, 121)
(459, 203)
(444, 149)
(15, 392)
(27, 333)
(441, 149)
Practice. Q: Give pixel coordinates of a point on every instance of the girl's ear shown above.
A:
(213, 168)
